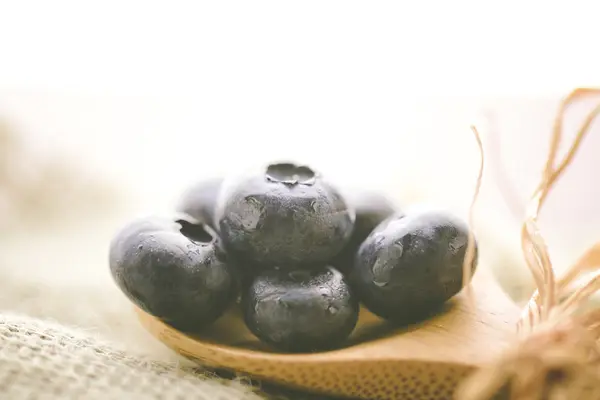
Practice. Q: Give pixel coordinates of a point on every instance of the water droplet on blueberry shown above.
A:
(287, 225)
(315, 313)
(172, 269)
(410, 266)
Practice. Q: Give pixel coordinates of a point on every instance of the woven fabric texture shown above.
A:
(44, 360)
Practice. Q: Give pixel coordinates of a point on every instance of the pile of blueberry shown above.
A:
(296, 255)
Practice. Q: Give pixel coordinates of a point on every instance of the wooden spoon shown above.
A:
(422, 361)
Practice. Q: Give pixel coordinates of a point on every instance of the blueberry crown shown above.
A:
(290, 174)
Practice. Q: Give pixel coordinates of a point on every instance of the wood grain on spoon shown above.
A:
(380, 362)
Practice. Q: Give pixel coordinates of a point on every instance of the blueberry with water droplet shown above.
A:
(200, 201)
(285, 215)
(371, 209)
(174, 269)
(410, 265)
(301, 310)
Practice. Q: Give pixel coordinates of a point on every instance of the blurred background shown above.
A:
(109, 110)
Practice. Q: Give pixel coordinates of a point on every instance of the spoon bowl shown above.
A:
(425, 360)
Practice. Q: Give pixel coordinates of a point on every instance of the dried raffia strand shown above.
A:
(534, 248)
(507, 191)
(533, 309)
(558, 355)
(580, 92)
(589, 261)
(580, 295)
(536, 255)
(542, 363)
(550, 179)
(470, 252)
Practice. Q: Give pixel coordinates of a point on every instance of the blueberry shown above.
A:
(301, 310)
(173, 269)
(200, 200)
(285, 215)
(371, 209)
(410, 265)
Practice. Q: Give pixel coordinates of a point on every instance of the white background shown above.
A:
(157, 94)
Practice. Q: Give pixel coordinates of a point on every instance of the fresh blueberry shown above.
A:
(285, 215)
(410, 265)
(173, 269)
(200, 200)
(301, 310)
(371, 209)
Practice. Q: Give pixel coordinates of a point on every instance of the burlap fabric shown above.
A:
(44, 360)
